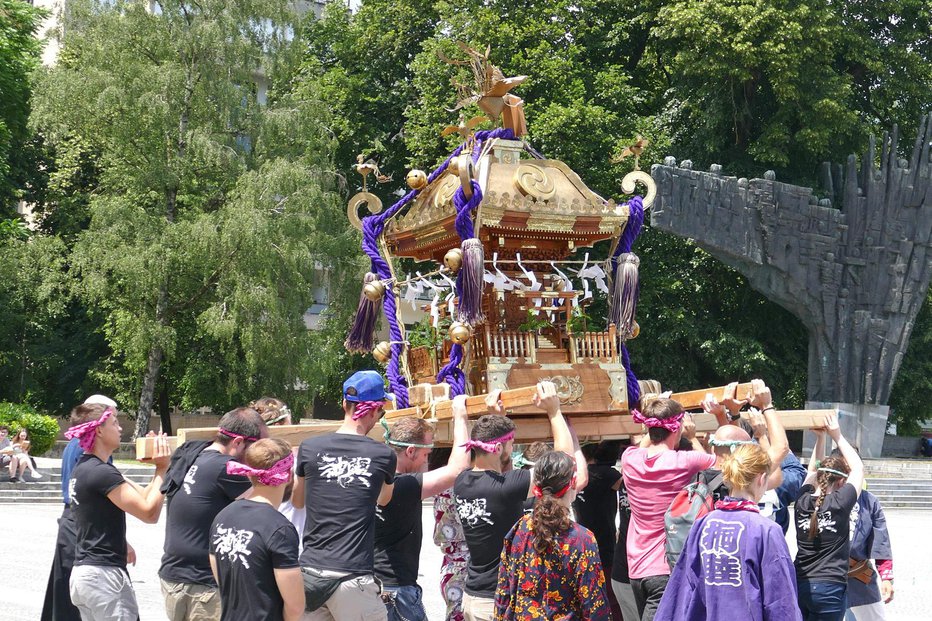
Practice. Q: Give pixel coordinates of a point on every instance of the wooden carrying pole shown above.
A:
(528, 428)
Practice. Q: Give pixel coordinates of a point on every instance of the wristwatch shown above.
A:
(734, 416)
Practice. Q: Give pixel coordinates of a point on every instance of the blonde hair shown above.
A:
(265, 453)
(746, 463)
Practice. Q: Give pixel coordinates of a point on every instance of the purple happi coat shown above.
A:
(735, 565)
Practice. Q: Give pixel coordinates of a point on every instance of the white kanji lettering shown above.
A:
(189, 479)
(71, 494)
(825, 521)
(719, 546)
(232, 544)
(853, 524)
(345, 470)
(471, 511)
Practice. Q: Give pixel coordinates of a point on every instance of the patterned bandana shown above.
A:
(273, 477)
(489, 447)
(670, 424)
(737, 504)
(233, 434)
(364, 408)
(86, 431)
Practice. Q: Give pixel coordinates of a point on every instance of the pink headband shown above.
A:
(233, 434)
(670, 424)
(364, 408)
(85, 431)
(274, 476)
(489, 447)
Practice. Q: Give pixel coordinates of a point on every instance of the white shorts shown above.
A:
(103, 593)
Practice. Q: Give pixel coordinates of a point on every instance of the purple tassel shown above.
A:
(631, 232)
(362, 334)
(624, 294)
(470, 283)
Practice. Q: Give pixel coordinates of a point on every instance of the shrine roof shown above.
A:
(539, 206)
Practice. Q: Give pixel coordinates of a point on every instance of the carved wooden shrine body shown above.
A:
(538, 211)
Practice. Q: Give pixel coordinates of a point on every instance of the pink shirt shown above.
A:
(652, 484)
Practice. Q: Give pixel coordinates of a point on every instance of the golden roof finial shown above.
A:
(635, 149)
(365, 166)
(464, 128)
(489, 89)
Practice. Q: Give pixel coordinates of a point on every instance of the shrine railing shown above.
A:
(509, 344)
(594, 346)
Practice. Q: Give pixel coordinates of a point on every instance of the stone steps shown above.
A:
(902, 493)
(48, 488)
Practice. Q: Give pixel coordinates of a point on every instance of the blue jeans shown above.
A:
(822, 601)
(404, 603)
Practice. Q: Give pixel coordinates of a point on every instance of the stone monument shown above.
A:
(854, 266)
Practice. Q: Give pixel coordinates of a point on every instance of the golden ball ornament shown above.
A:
(460, 333)
(374, 290)
(635, 330)
(453, 259)
(416, 179)
(382, 352)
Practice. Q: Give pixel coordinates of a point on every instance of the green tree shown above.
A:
(19, 54)
(212, 220)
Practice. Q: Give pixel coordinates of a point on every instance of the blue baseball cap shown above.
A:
(366, 386)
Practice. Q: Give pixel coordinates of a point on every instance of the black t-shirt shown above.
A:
(620, 560)
(488, 504)
(205, 491)
(596, 507)
(250, 540)
(826, 556)
(398, 533)
(101, 525)
(343, 476)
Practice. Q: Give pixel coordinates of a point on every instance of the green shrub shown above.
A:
(43, 430)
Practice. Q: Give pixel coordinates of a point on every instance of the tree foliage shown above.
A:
(213, 220)
(19, 53)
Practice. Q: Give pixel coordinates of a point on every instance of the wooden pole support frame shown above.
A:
(692, 399)
(443, 409)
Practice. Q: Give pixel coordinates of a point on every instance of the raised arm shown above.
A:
(855, 465)
(729, 410)
(582, 468)
(689, 432)
(145, 503)
(547, 399)
(779, 446)
(818, 454)
(435, 481)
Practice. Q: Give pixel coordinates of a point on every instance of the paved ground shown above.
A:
(28, 540)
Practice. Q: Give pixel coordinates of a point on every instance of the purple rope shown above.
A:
(451, 372)
(372, 227)
(631, 232)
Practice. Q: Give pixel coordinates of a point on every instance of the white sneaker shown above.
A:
(36, 475)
